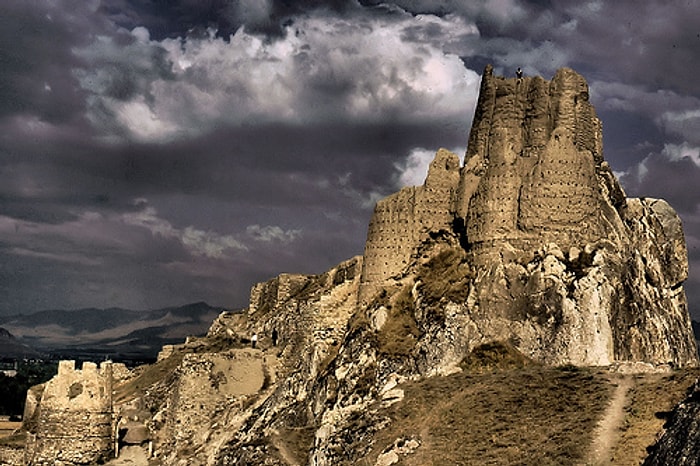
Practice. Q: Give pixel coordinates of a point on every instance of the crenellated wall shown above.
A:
(75, 417)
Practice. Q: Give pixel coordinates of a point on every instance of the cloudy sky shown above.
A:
(160, 152)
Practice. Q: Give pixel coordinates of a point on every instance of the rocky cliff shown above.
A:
(531, 247)
(560, 262)
(680, 444)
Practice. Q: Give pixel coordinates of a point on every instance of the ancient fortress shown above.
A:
(531, 176)
(538, 212)
(531, 244)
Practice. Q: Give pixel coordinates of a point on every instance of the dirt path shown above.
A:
(287, 456)
(607, 432)
(130, 455)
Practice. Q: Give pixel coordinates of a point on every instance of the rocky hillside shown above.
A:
(680, 444)
(516, 310)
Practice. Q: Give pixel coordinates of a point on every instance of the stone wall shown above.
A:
(75, 417)
(311, 308)
(536, 147)
(265, 295)
(402, 220)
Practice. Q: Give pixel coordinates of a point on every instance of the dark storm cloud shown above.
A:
(669, 177)
(182, 18)
(245, 163)
(155, 152)
(173, 18)
(190, 174)
(35, 57)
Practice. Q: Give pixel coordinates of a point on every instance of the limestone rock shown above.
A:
(559, 262)
(680, 443)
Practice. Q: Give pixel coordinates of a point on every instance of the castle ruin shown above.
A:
(74, 419)
(565, 266)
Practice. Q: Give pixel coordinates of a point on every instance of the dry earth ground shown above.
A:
(7, 428)
(533, 415)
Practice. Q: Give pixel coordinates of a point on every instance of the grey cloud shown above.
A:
(335, 69)
(121, 71)
(245, 146)
(673, 180)
(35, 48)
(270, 233)
(182, 18)
(647, 43)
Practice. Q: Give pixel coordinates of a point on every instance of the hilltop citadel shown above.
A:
(531, 245)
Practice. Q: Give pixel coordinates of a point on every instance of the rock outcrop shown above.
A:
(531, 246)
(680, 443)
(561, 263)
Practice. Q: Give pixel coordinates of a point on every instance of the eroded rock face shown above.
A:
(680, 443)
(561, 264)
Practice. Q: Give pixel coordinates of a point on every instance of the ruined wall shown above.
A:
(75, 417)
(311, 324)
(210, 390)
(265, 295)
(318, 311)
(531, 165)
(561, 261)
(402, 220)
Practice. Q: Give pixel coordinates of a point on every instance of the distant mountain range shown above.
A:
(108, 333)
(11, 348)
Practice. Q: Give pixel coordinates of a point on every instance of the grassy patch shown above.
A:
(494, 356)
(650, 401)
(148, 376)
(329, 358)
(357, 324)
(524, 415)
(447, 275)
(532, 415)
(400, 332)
(293, 444)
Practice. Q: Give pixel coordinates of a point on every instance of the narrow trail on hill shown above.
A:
(607, 432)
